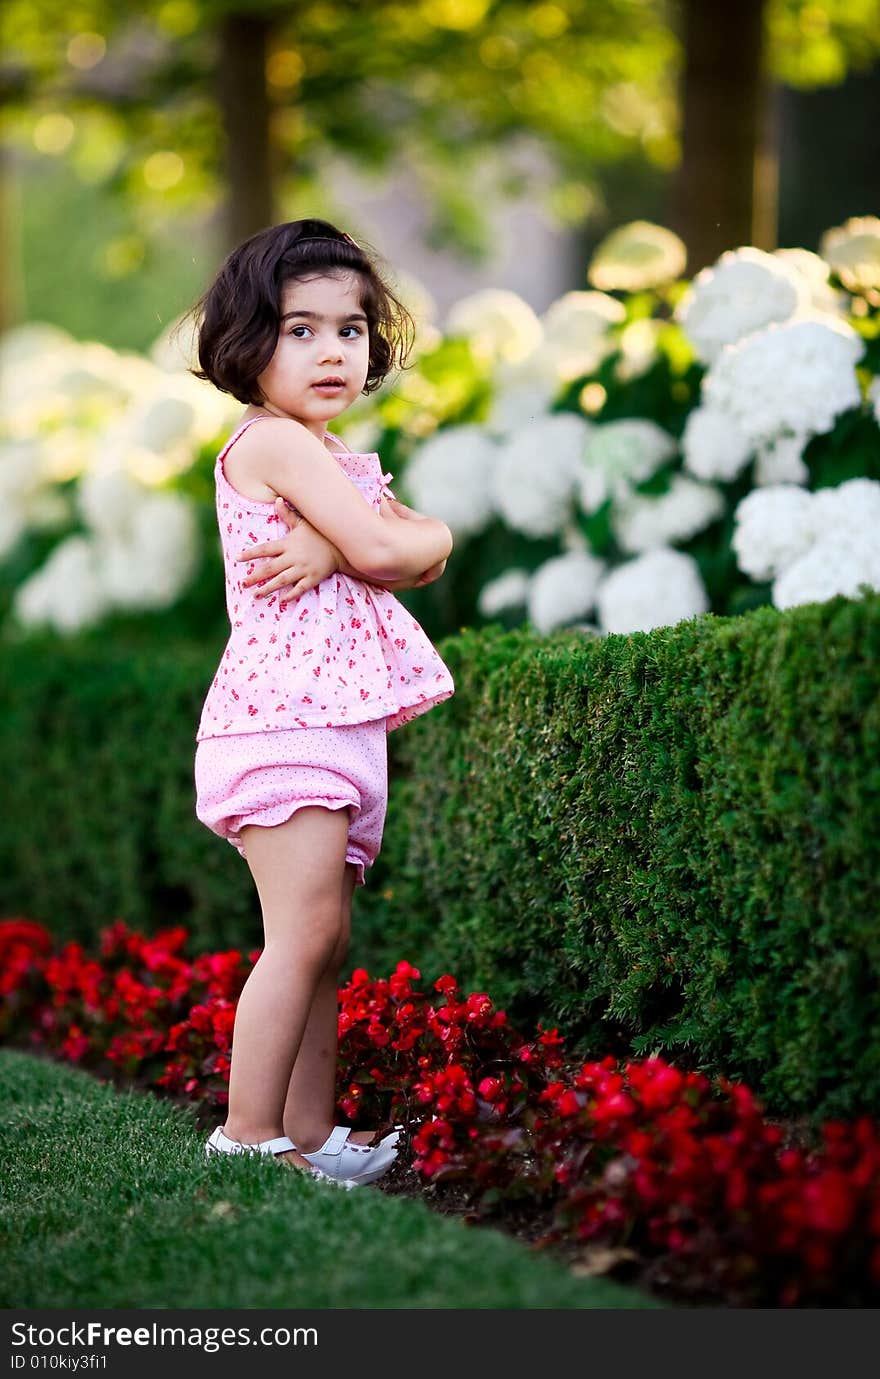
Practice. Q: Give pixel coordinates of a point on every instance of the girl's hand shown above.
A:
(428, 576)
(300, 560)
(392, 507)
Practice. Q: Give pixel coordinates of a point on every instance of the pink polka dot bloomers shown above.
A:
(263, 778)
(301, 704)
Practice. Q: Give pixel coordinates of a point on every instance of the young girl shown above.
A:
(291, 762)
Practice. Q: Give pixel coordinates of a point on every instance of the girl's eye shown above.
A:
(294, 330)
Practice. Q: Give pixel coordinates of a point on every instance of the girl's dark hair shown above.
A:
(239, 315)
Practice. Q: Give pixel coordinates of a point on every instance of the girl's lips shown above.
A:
(328, 387)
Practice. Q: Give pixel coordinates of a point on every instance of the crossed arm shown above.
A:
(302, 558)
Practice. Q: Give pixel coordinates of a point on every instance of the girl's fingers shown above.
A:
(301, 588)
(270, 579)
(270, 548)
(278, 582)
(257, 578)
(288, 515)
(292, 585)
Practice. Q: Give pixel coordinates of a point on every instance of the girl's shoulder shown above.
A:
(240, 461)
(237, 432)
(274, 426)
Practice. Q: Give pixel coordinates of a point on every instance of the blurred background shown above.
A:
(143, 141)
(490, 152)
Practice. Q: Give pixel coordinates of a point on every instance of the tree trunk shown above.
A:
(725, 191)
(244, 108)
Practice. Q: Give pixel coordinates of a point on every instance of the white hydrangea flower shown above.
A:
(450, 476)
(97, 368)
(636, 256)
(534, 478)
(780, 462)
(66, 593)
(792, 379)
(814, 271)
(162, 426)
(12, 528)
(29, 343)
(563, 588)
(58, 394)
(146, 543)
(83, 410)
(162, 421)
(151, 564)
(874, 398)
(641, 522)
(498, 324)
(835, 564)
(108, 500)
(507, 590)
(24, 489)
(743, 292)
(773, 527)
(576, 332)
(852, 507)
(176, 347)
(713, 446)
(593, 488)
(638, 349)
(657, 589)
(853, 251)
(619, 454)
(521, 395)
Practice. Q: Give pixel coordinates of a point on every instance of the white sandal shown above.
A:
(344, 1161)
(219, 1143)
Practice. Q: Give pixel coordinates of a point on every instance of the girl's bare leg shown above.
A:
(297, 868)
(310, 1112)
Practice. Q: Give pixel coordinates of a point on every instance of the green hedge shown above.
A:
(668, 839)
(661, 842)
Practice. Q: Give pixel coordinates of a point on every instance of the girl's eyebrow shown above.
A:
(316, 316)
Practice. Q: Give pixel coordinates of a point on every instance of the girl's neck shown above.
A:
(268, 411)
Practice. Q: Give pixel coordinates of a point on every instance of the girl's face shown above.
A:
(322, 354)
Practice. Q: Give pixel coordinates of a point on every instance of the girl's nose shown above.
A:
(332, 353)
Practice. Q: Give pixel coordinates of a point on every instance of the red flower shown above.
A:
(829, 1201)
(76, 1044)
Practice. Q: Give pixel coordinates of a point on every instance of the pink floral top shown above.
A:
(343, 652)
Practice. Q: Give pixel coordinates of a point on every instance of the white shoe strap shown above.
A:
(278, 1146)
(221, 1141)
(335, 1141)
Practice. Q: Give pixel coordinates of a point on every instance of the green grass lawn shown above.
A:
(107, 1200)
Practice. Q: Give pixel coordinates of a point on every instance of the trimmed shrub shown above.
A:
(670, 836)
(661, 842)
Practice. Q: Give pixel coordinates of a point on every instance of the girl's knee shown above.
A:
(313, 947)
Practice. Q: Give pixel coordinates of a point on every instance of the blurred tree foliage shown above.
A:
(132, 92)
(129, 94)
(170, 109)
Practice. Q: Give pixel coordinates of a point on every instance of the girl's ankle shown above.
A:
(245, 1134)
(311, 1141)
(315, 1139)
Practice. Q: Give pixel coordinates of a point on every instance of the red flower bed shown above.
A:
(641, 1157)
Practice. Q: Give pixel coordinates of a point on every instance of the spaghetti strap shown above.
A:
(331, 435)
(240, 432)
(346, 450)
